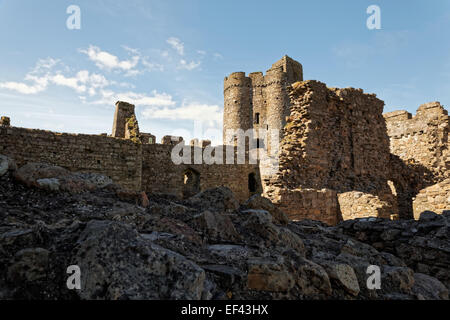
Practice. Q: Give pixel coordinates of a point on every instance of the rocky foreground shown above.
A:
(136, 246)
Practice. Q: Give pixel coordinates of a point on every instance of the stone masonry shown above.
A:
(421, 158)
(435, 198)
(259, 101)
(339, 157)
(334, 150)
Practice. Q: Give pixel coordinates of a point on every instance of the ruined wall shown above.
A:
(237, 112)
(135, 166)
(306, 203)
(420, 153)
(117, 158)
(422, 139)
(124, 112)
(260, 101)
(334, 139)
(161, 175)
(435, 198)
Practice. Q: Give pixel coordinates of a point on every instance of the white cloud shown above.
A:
(151, 66)
(191, 111)
(24, 88)
(165, 54)
(107, 61)
(189, 65)
(177, 45)
(43, 74)
(81, 81)
(109, 97)
(44, 64)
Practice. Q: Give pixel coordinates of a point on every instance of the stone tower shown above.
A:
(260, 101)
(124, 111)
(237, 103)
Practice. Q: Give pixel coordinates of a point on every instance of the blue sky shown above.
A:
(170, 57)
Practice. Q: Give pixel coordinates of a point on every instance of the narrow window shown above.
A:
(251, 183)
(256, 118)
(191, 181)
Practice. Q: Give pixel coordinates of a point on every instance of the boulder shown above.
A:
(117, 263)
(265, 275)
(345, 276)
(217, 227)
(429, 288)
(55, 178)
(258, 202)
(397, 279)
(98, 180)
(29, 265)
(6, 164)
(312, 279)
(220, 199)
(49, 183)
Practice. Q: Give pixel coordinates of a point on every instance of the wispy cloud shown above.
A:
(42, 75)
(187, 111)
(217, 56)
(176, 44)
(107, 61)
(188, 65)
(36, 87)
(109, 97)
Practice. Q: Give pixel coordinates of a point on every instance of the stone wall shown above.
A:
(420, 153)
(260, 101)
(161, 175)
(435, 198)
(119, 159)
(422, 139)
(237, 112)
(124, 112)
(133, 165)
(334, 139)
(356, 204)
(311, 204)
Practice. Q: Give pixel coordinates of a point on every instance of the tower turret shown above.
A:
(124, 111)
(237, 103)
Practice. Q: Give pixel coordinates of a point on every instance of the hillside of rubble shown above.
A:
(132, 245)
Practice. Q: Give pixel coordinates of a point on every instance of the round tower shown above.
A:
(237, 113)
(276, 101)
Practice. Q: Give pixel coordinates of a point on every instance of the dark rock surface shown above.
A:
(204, 247)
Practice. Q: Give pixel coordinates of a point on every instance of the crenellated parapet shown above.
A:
(259, 101)
(422, 138)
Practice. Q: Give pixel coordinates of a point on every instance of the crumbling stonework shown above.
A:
(132, 130)
(435, 198)
(124, 111)
(259, 101)
(334, 139)
(422, 139)
(5, 121)
(420, 153)
(356, 204)
(133, 165)
(120, 159)
(339, 158)
(301, 204)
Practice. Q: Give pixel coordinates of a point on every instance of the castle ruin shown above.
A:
(339, 156)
